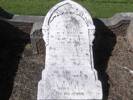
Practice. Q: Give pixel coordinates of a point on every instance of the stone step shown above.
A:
(69, 92)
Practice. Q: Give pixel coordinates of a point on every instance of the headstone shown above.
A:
(69, 70)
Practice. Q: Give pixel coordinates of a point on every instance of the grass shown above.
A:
(98, 8)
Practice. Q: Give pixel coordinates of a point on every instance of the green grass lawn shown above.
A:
(98, 8)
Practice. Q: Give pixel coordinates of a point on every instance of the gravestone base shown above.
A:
(69, 84)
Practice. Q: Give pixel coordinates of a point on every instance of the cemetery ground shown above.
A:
(98, 8)
(20, 69)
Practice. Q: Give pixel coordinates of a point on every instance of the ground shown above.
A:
(119, 72)
(28, 76)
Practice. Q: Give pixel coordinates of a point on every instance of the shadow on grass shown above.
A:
(104, 43)
(12, 44)
(5, 14)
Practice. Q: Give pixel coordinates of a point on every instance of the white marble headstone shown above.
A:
(69, 70)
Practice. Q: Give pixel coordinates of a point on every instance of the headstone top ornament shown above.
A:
(67, 7)
(72, 8)
(68, 32)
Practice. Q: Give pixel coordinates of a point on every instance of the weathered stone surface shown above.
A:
(130, 33)
(37, 41)
(120, 28)
(69, 70)
(118, 17)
